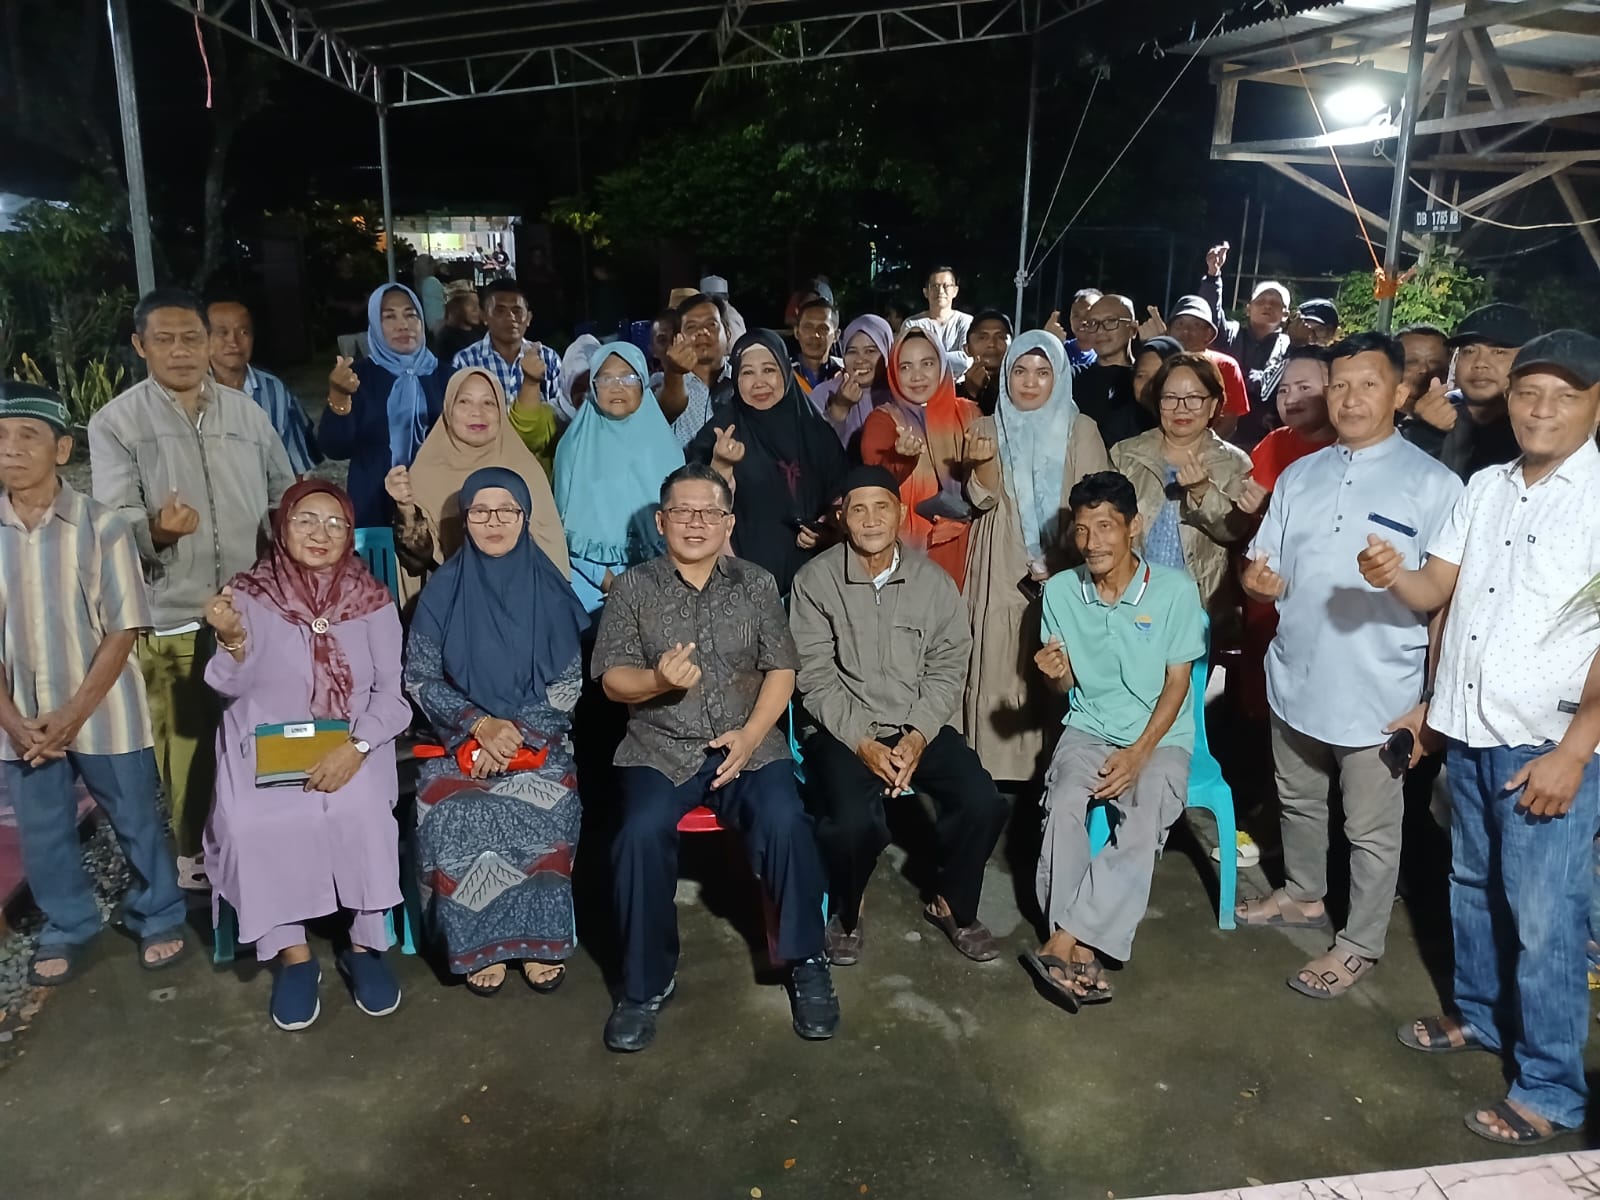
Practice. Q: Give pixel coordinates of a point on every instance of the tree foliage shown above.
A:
(1441, 293)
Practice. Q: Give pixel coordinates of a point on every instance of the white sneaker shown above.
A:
(192, 874)
(1249, 854)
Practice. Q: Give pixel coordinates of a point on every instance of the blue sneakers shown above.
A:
(295, 1003)
(372, 985)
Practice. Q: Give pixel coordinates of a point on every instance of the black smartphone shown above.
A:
(1397, 750)
(1030, 587)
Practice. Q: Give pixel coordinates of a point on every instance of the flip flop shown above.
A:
(1524, 1133)
(1089, 974)
(1277, 920)
(149, 941)
(549, 985)
(484, 989)
(1051, 988)
(1438, 1036)
(67, 952)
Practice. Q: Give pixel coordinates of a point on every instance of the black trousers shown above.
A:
(846, 800)
(764, 807)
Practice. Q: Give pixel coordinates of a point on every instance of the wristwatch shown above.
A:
(361, 746)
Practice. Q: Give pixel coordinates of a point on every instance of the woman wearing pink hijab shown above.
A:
(845, 400)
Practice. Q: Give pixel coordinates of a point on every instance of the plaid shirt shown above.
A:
(65, 586)
(483, 354)
(287, 417)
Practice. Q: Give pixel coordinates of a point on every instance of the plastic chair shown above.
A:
(225, 934)
(1207, 790)
(375, 545)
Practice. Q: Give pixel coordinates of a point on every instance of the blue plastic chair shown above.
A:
(375, 545)
(1207, 790)
(225, 937)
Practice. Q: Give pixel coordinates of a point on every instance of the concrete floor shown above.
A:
(947, 1079)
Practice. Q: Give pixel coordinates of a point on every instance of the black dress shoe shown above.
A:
(812, 1001)
(632, 1025)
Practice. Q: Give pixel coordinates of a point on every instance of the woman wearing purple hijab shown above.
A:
(845, 400)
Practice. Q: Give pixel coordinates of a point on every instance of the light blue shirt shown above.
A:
(1348, 658)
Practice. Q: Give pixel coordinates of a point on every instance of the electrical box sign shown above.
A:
(1436, 220)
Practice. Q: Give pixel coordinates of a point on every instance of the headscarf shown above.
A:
(574, 363)
(1033, 445)
(943, 420)
(792, 464)
(444, 462)
(407, 406)
(344, 591)
(609, 470)
(506, 626)
(882, 336)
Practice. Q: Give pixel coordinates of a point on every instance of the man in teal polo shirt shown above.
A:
(1121, 636)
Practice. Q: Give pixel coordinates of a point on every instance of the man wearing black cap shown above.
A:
(1315, 323)
(1467, 429)
(1517, 698)
(884, 646)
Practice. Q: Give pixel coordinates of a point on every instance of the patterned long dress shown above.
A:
(495, 855)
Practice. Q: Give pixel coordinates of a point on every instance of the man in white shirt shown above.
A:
(1347, 666)
(945, 319)
(1517, 697)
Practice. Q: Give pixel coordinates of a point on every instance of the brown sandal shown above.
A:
(1271, 912)
(975, 941)
(1336, 972)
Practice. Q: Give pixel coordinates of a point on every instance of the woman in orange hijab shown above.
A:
(921, 439)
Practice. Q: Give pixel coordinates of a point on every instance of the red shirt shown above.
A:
(1235, 400)
(1276, 451)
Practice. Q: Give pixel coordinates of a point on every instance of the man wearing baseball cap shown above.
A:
(72, 606)
(1258, 342)
(1467, 428)
(1517, 700)
(1315, 323)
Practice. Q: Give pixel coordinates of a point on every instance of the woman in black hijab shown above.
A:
(784, 460)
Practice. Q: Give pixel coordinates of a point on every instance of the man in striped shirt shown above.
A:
(72, 604)
(515, 361)
(233, 343)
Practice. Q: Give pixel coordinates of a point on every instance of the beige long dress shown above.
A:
(1011, 716)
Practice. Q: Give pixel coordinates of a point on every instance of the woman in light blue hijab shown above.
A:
(1023, 461)
(609, 468)
(381, 409)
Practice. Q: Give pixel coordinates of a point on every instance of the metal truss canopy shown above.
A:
(406, 53)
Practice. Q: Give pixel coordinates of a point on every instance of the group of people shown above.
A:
(947, 558)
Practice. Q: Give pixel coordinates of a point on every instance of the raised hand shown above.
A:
(981, 448)
(398, 484)
(908, 443)
(532, 364)
(728, 450)
(1252, 497)
(1052, 660)
(681, 356)
(1261, 582)
(1217, 258)
(1380, 563)
(223, 617)
(676, 672)
(174, 520)
(1192, 472)
(342, 378)
(1435, 407)
(849, 390)
(977, 376)
(1153, 326)
(1054, 325)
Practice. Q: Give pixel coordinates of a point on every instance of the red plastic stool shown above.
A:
(700, 820)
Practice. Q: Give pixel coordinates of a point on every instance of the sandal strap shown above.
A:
(1513, 1120)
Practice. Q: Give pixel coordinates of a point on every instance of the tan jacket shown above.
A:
(876, 661)
(1209, 527)
(231, 469)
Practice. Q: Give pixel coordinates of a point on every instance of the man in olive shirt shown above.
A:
(697, 646)
(884, 646)
(1121, 635)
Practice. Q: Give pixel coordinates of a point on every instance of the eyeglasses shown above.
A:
(696, 516)
(309, 523)
(499, 516)
(617, 381)
(942, 287)
(1187, 401)
(1107, 325)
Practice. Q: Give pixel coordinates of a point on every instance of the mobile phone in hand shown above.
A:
(1397, 750)
(1030, 587)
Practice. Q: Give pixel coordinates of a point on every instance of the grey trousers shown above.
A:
(1101, 900)
(1307, 770)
